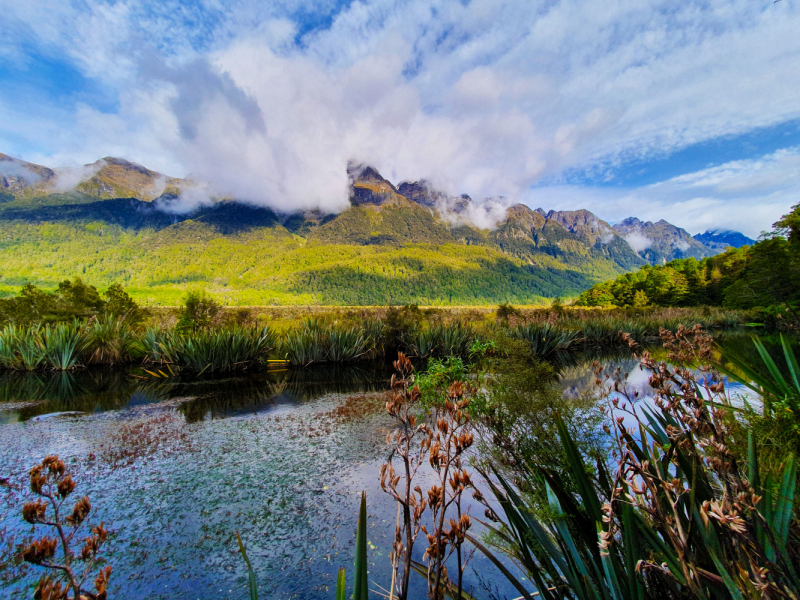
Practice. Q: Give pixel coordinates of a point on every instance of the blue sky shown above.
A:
(688, 111)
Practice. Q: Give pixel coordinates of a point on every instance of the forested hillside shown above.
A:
(387, 248)
(764, 275)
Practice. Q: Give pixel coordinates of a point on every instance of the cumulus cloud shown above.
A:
(484, 97)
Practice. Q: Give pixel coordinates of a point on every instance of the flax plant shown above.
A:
(449, 440)
(53, 484)
(110, 339)
(412, 456)
(673, 513)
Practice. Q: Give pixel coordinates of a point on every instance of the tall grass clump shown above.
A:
(21, 348)
(545, 338)
(373, 331)
(439, 340)
(306, 344)
(315, 341)
(346, 344)
(233, 349)
(8, 347)
(62, 344)
(151, 345)
(110, 340)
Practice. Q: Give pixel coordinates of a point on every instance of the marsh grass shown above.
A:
(233, 349)
(335, 336)
(439, 340)
(110, 340)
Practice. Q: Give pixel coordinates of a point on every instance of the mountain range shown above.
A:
(114, 220)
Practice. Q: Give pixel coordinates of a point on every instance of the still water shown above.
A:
(176, 466)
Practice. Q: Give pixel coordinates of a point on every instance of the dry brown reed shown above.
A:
(441, 444)
(53, 484)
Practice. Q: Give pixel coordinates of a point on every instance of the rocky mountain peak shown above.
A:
(18, 175)
(127, 165)
(719, 239)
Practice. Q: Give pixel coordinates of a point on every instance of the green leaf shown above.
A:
(361, 590)
(499, 564)
(251, 576)
(785, 503)
(340, 585)
(587, 491)
(794, 370)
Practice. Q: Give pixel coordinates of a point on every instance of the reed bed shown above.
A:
(111, 340)
(220, 351)
(439, 340)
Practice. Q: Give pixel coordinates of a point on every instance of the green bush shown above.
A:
(199, 312)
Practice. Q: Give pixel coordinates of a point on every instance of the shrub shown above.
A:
(199, 312)
(119, 304)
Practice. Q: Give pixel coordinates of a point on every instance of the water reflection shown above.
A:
(288, 480)
(27, 395)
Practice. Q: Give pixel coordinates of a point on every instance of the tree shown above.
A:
(118, 303)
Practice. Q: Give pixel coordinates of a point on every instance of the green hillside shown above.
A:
(246, 256)
(385, 249)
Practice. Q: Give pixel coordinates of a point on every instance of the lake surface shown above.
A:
(176, 466)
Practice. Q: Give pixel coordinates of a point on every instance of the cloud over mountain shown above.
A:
(268, 102)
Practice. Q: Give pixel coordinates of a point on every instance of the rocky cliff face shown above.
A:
(17, 176)
(106, 178)
(119, 178)
(583, 224)
(369, 188)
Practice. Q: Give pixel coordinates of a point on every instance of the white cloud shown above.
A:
(638, 241)
(483, 97)
(487, 213)
(192, 195)
(12, 168)
(68, 177)
(745, 195)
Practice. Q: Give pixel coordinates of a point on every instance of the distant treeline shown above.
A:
(71, 300)
(765, 275)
